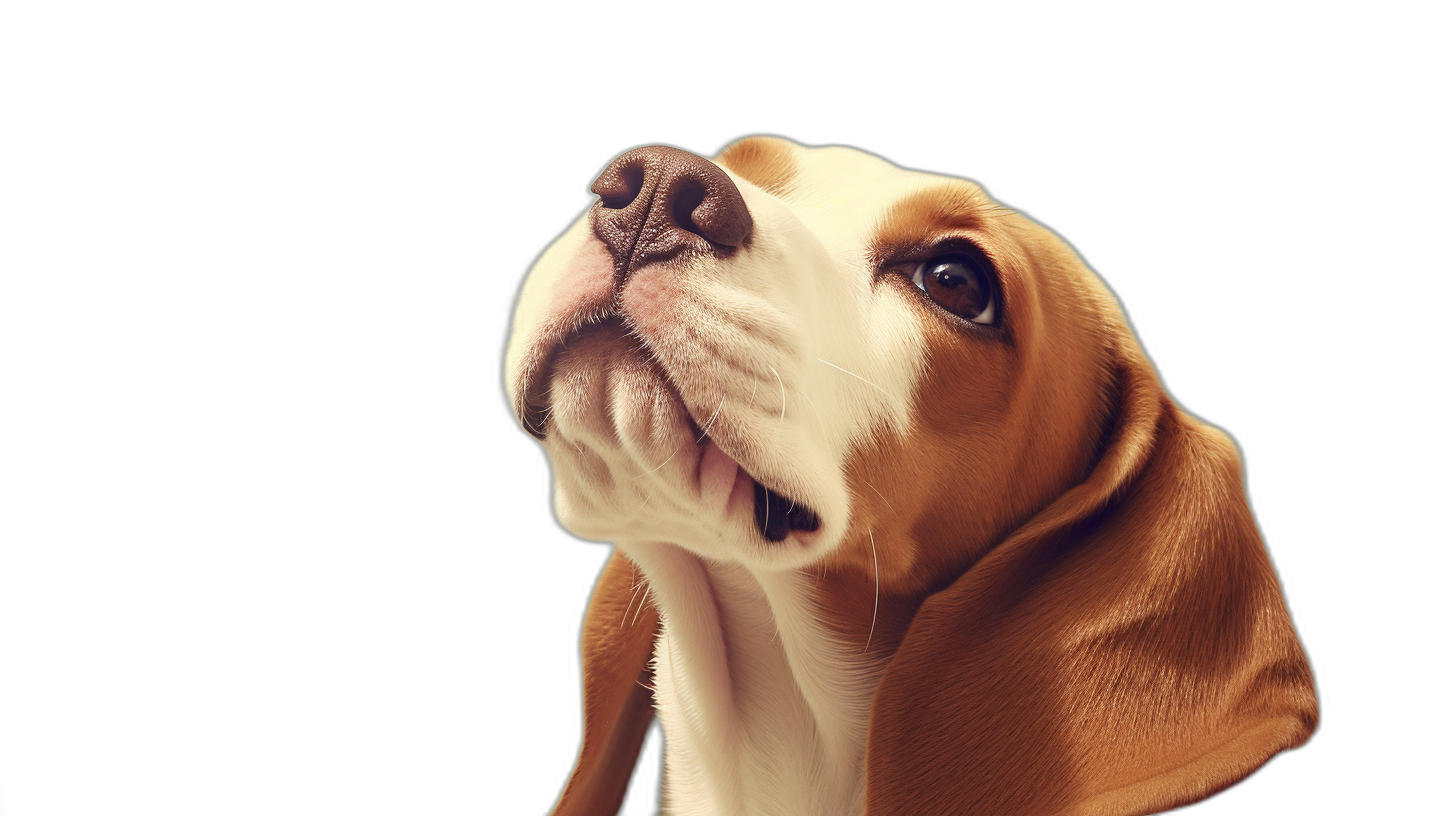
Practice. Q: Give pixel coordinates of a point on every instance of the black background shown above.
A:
(1210, 216)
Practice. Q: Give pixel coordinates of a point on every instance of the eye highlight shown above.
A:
(961, 283)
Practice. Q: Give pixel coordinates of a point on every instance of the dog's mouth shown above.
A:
(775, 515)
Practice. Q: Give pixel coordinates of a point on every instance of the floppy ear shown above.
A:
(616, 644)
(1126, 651)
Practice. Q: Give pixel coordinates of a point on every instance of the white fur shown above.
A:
(763, 712)
(790, 354)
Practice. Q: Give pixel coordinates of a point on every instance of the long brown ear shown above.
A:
(1126, 651)
(616, 645)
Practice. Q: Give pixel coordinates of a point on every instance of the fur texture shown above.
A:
(1037, 587)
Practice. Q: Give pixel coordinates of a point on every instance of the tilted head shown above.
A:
(798, 361)
(873, 347)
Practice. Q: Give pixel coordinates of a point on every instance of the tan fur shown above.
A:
(616, 643)
(1051, 566)
(768, 163)
(952, 206)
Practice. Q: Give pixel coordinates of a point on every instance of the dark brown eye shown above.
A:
(960, 284)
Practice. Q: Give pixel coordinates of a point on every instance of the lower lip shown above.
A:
(721, 482)
(724, 485)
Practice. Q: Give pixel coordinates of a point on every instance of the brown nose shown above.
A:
(660, 202)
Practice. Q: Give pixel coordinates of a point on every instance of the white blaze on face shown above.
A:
(789, 353)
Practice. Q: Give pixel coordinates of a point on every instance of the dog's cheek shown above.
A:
(571, 281)
(934, 487)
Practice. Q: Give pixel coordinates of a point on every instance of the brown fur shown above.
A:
(952, 207)
(1064, 577)
(768, 163)
(616, 643)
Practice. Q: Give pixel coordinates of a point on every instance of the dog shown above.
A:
(904, 520)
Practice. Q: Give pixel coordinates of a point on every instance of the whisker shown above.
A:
(637, 581)
(854, 375)
(712, 418)
(783, 395)
(642, 605)
(878, 493)
(765, 511)
(874, 616)
(659, 467)
(628, 607)
(636, 587)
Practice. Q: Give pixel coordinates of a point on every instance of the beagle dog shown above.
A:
(904, 520)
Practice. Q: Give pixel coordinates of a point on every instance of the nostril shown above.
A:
(687, 196)
(618, 190)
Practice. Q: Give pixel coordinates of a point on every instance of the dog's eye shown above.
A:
(960, 284)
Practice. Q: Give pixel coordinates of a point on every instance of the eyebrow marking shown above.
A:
(949, 207)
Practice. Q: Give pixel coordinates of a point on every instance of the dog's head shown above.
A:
(755, 358)
(789, 357)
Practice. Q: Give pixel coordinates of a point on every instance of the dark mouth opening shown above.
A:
(776, 516)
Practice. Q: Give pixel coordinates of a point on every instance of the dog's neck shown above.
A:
(763, 709)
